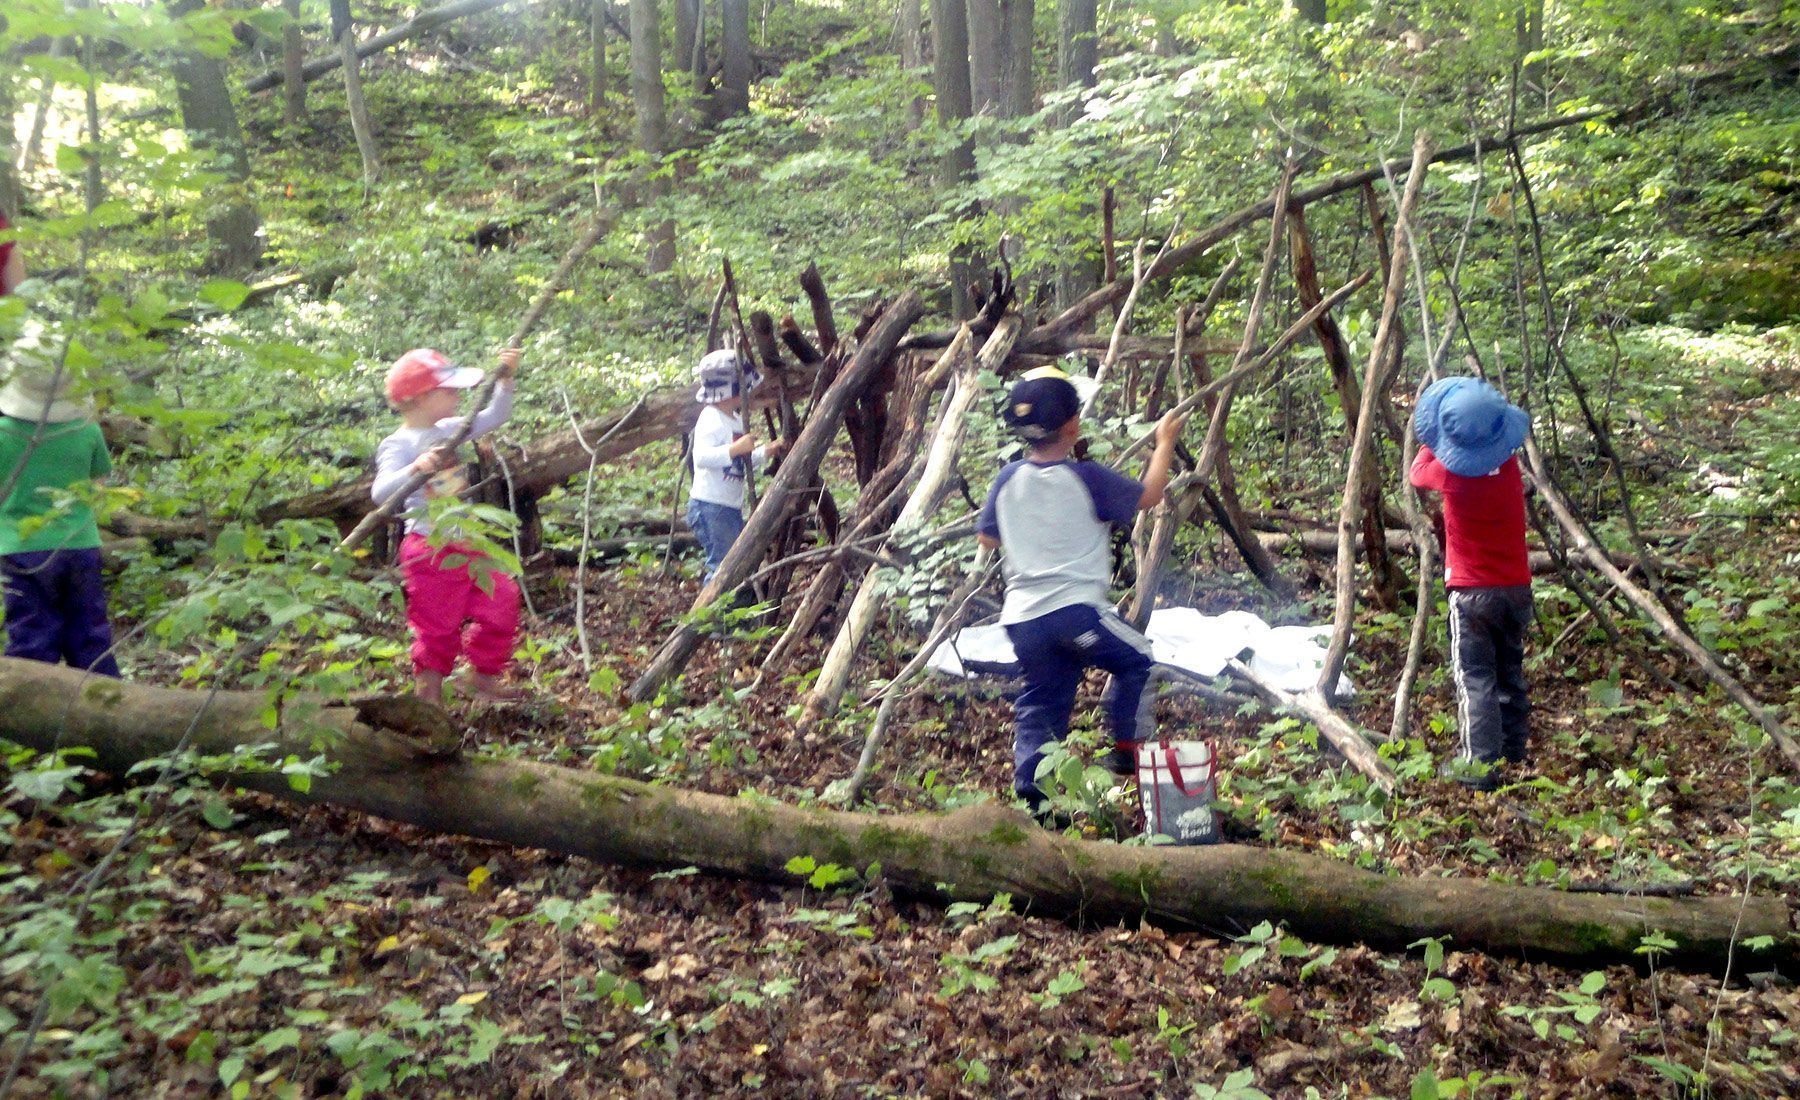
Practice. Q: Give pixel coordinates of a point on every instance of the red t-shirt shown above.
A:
(1484, 523)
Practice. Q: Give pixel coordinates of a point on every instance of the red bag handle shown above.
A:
(1212, 768)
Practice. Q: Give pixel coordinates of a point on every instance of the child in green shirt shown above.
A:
(55, 597)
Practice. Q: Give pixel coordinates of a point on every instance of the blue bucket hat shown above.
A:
(1469, 426)
(719, 374)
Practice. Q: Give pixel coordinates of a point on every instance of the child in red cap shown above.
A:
(444, 594)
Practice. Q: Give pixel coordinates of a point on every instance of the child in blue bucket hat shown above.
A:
(1469, 432)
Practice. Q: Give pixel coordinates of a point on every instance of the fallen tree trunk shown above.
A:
(1400, 541)
(668, 412)
(971, 854)
(418, 24)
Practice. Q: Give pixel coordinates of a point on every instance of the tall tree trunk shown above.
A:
(690, 41)
(734, 80)
(293, 65)
(1018, 88)
(987, 55)
(950, 75)
(9, 153)
(971, 854)
(212, 124)
(1077, 47)
(911, 42)
(1077, 55)
(1313, 11)
(647, 99)
(596, 57)
(1530, 31)
(343, 32)
(34, 143)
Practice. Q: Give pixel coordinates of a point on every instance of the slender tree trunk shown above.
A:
(1530, 31)
(596, 58)
(1077, 47)
(343, 32)
(1018, 86)
(734, 83)
(987, 55)
(950, 72)
(1077, 54)
(212, 124)
(293, 65)
(911, 43)
(971, 854)
(687, 28)
(9, 153)
(34, 144)
(647, 98)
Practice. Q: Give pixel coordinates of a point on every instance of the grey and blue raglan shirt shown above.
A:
(1055, 521)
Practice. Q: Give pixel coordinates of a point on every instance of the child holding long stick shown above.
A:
(449, 587)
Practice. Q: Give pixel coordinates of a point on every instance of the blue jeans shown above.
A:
(1053, 650)
(717, 526)
(56, 609)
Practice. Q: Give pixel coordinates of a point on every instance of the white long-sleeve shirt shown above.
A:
(718, 476)
(397, 453)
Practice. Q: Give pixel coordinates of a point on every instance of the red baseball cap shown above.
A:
(422, 370)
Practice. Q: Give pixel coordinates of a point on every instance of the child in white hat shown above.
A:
(723, 454)
(50, 555)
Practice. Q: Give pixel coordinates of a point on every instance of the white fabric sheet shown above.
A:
(1181, 637)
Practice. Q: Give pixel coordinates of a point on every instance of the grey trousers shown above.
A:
(1487, 646)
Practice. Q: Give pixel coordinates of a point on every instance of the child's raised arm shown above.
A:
(1156, 475)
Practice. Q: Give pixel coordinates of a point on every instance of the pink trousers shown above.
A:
(442, 600)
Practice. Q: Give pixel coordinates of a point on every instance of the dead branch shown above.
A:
(1374, 391)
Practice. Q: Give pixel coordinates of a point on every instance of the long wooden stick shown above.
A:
(533, 314)
(1582, 544)
(1270, 354)
(1373, 391)
(949, 619)
(834, 672)
(1315, 705)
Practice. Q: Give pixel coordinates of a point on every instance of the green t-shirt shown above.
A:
(67, 454)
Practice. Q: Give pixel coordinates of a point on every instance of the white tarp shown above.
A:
(1287, 656)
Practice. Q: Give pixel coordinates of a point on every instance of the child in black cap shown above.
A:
(1054, 516)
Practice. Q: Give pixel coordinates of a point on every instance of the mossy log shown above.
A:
(970, 854)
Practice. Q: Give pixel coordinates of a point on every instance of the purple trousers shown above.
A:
(56, 609)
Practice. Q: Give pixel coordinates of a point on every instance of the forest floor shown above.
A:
(321, 952)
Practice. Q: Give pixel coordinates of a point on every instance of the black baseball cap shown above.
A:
(1040, 403)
